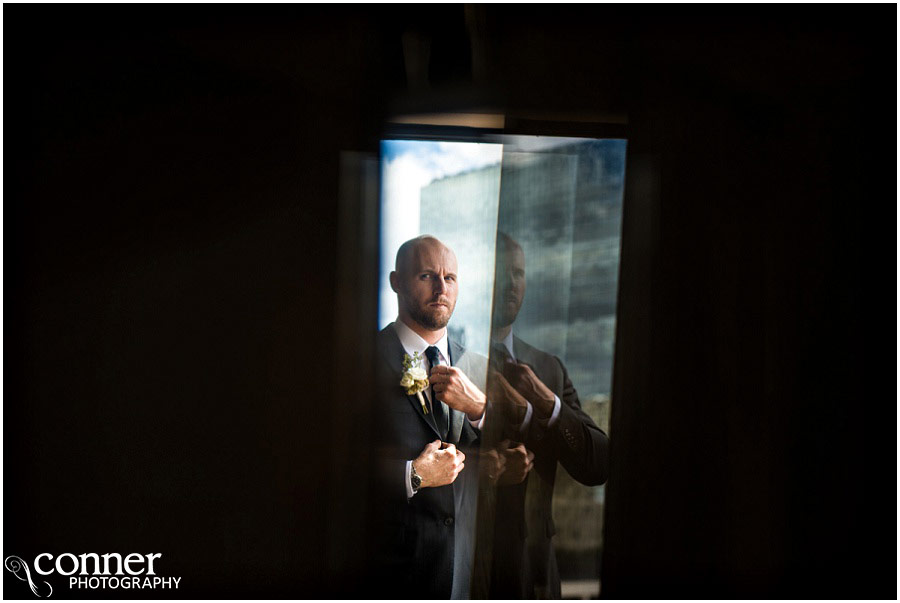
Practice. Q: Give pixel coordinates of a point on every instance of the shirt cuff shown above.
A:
(529, 411)
(408, 481)
(477, 423)
(557, 406)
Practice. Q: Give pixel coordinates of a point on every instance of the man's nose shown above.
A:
(440, 285)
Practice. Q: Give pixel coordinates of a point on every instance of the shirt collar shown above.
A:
(412, 342)
(508, 342)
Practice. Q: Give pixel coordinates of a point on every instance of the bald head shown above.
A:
(411, 249)
(506, 243)
(424, 279)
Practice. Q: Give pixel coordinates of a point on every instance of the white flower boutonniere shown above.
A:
(414, 378)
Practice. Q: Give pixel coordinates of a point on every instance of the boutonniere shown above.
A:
(414, 378)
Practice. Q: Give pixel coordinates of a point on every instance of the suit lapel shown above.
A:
(519, 351)
(395, 354)
(523, 353)
(456, 417)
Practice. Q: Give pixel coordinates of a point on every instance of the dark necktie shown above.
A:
(499, 356)
(439, 411)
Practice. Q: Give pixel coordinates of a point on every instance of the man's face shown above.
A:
(509, 285)
(427, 286)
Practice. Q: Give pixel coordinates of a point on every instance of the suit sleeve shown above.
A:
(390, 476)
(576, 441)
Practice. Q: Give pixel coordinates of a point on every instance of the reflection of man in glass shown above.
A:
(425, 494)
(543, 416)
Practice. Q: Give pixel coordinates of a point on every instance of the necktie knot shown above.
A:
(433, 355)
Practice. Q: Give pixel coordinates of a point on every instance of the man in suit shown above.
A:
(425, 488)
(543, 425)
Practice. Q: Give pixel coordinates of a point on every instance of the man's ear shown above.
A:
(393, 279)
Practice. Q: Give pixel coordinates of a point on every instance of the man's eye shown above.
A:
(425, 277)
(450, 278)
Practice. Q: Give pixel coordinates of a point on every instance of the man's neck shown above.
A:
(432, 337)
(500, 333)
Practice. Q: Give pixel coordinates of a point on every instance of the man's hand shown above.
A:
(522, 377)
(518, 461)
(456, 391)
(506, 399)
(492, 464)
(439, 466)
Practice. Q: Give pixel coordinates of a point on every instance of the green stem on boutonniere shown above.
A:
(422, 402)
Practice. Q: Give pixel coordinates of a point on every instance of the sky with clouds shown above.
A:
(409, 165)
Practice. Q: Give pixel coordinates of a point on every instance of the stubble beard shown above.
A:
(505, 316)
(433, 320)
(502, 319)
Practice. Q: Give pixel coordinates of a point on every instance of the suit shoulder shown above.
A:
(386, 331)
(529, 353)
(475, 359)
(458, 352)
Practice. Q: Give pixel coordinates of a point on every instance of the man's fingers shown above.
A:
(443, 376)
(447, 373)
(460, 456)
(432, 446)
(450, 448)
(499, 378)
(530, 456)
(513, 367)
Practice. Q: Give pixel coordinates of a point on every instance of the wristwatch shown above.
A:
(414, 478)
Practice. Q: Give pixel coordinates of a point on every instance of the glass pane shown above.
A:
(555, 302)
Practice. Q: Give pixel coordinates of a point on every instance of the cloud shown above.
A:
(439, 159)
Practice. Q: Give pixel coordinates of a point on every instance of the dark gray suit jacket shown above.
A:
(524, 565)
(416, 537)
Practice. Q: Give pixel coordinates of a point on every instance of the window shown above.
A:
(546, 210)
